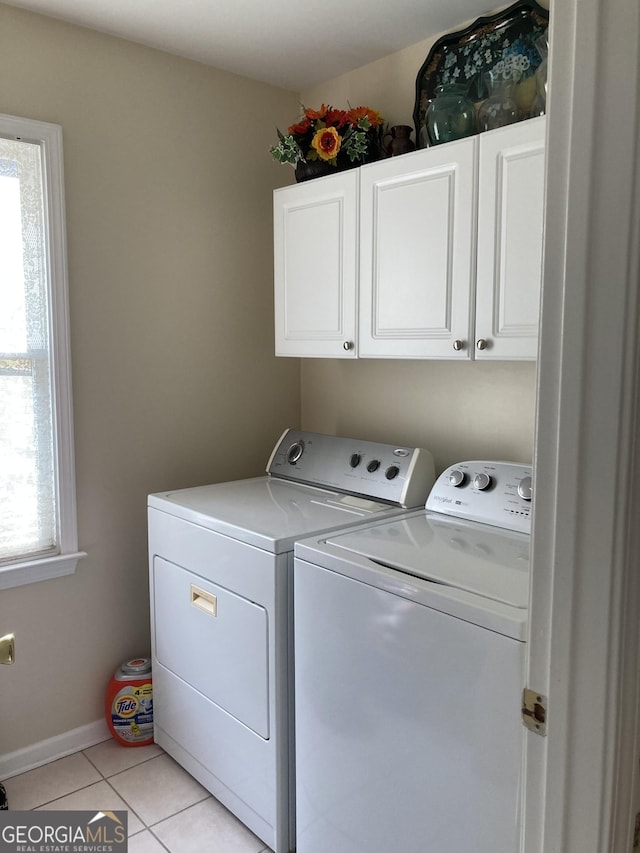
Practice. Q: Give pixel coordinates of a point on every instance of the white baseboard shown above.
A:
(13, 763)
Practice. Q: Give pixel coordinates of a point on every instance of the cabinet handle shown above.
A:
(481, 343)
(458, 345)
(347, 345)
(203, 600)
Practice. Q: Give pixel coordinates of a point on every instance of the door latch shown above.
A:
(534, 711)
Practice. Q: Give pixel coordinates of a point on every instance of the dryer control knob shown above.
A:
(373, 466)
(482, 481)
(524, 488)
(392, 472)
(355, 460)
(295, 452)
(457, 477)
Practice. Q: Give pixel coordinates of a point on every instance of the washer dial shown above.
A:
(482, 481)
(524, 488)
(457, 477)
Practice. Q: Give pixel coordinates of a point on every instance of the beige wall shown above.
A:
(458, 411)
(168, 187)
(168, 183)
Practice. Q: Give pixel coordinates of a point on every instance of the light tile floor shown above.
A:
(168, 810)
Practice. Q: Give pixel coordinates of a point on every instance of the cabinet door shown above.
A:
(510, 240)
(315, 257)
(417, 252)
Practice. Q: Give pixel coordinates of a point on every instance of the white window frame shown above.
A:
(64, 561)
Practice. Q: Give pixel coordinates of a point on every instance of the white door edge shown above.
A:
(581, 786)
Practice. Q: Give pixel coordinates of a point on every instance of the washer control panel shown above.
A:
(497, 493)
(386, 472)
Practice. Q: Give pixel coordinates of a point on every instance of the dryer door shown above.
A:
(215, 640)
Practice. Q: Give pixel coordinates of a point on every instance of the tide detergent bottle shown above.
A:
(129, 703)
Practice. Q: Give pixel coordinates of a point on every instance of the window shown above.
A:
(38, 534)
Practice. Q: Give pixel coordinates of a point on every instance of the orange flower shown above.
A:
(316, 114)
(301, 127)
(375, 118)
(337, 118)
(327, 143)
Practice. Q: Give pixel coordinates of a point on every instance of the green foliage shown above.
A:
(287, 150)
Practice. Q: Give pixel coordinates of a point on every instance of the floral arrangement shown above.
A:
(337, 137)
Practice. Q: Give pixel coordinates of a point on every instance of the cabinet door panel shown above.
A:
(416, 253)
(315, 251)
(510, 239)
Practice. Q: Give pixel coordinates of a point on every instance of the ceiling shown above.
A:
(287, 43)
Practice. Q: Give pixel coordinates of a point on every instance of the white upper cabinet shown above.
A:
(316, 266)
(510, 240)
(417, 245)
(445, 243)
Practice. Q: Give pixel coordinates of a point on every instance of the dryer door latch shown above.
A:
(534, 711)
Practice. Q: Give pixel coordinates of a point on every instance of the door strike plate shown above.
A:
(7, 648)
(534, 711)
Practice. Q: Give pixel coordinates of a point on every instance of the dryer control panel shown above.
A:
(496, 493)
(387, 472)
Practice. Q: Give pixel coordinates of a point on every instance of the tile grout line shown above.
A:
(153, 835)
(125, 769)
(129, 808)
(180, 811)
(145, 827)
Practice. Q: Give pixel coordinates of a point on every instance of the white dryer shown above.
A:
(221, 579)
(410, 647)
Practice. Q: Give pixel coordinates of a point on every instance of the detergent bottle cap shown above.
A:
(136, 666)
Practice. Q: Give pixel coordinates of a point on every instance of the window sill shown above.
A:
(32, 571)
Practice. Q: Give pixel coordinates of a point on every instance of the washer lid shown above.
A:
(267, 512)
(477, 558)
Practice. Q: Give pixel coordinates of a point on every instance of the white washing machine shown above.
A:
(221, 577)
(409, 671)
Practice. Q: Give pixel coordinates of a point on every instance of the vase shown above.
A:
(306, 170)
(500, 107)
(401, 142)
(451, 115)
(539, 105)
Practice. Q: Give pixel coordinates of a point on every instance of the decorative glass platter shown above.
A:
(463, 57)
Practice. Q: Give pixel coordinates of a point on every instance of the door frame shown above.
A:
(580, 789)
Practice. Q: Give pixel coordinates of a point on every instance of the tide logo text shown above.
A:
(125, 706)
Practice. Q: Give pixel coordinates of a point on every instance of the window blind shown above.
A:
(28, 517)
